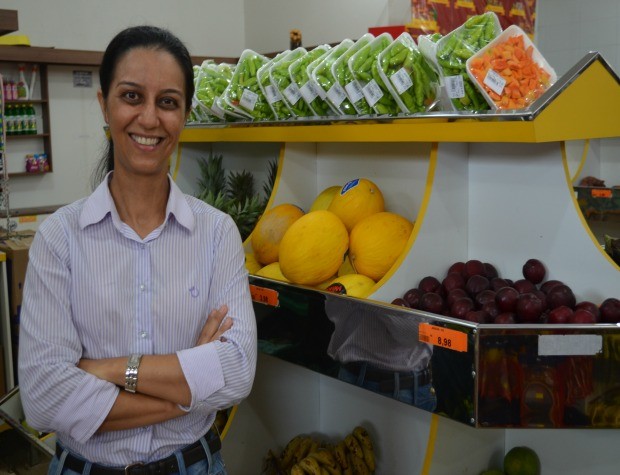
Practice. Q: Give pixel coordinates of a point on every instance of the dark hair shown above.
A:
(139, 37)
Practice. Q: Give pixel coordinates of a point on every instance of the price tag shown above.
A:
(292, 94)
(272, 94)
(444, 337)
(401, 80)
(265, 296)
(318, 89)
(372, 92)
(248, 99)
(336, 94)
(601, 193)
(495, 82)
(454, 86)
(308, 92)
(217, 110)
(354, 91)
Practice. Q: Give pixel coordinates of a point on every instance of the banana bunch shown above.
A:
(304, 455)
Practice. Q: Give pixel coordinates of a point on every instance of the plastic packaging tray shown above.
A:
(503, 89)
(322, 75)
(404, 71)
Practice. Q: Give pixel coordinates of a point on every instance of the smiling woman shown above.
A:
(137, 324)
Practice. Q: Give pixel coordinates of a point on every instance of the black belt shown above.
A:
(191, 454)
(387, 379)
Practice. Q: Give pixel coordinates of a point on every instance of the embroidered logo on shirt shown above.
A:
(193, 291)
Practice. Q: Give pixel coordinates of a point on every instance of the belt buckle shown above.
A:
(131, 466)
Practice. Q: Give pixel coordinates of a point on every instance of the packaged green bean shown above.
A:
(313, 103)
(364, 66)
(453, 51)
(355, 102)
(231, 113)
(407, 76)
(278, 106)
(322, 75)
(281, 80)
(243, 91)
(211, 83)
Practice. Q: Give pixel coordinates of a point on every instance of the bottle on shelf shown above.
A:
(9, 120)
(23, 93)
(32, 119)
(33, 79)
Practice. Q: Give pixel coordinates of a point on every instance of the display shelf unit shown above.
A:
(491, 186)
(18, 146)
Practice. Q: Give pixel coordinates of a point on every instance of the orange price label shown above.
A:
(601, 193)
(444, 337)
(265, 296)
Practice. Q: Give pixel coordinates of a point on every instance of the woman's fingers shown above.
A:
(215, 325)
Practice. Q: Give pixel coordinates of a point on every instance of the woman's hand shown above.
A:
(217, 323)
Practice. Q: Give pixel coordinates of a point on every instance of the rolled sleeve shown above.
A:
(203, 372)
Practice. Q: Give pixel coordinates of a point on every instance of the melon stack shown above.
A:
(345, 243)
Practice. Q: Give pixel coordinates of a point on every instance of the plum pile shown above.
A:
(474, 291)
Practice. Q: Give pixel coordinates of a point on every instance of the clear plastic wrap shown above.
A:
(355, 102)
(243, 91)
(364, 66)
(453, 51)
(322, 75)
(277, 104)
(407, 75)
(313, 102)
(281, 79)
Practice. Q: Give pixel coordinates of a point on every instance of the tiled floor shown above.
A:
(18, 457)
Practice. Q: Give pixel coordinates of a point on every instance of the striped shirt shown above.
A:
(94, 289)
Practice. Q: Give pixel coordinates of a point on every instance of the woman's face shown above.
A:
(145, 111)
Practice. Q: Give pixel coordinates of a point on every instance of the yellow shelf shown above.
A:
(582, 104)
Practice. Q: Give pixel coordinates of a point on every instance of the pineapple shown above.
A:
(234, 193)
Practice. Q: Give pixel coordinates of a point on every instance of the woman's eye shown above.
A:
(131, 96)
(169, 102)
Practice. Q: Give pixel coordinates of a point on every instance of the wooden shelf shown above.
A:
(8, 22)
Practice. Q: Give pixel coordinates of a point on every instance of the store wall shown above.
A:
(565, 31)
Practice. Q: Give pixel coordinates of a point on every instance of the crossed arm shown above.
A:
(162, 387)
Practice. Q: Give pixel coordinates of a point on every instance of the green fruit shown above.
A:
(521, 461)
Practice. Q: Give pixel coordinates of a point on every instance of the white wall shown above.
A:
(567, 29)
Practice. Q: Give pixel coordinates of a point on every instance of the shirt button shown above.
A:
(142, 287)
(143, 334)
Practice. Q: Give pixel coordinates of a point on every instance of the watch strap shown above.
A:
(131, 372)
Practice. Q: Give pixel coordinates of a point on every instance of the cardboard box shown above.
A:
(16, 248)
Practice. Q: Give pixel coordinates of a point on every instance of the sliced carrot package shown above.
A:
(510, 72)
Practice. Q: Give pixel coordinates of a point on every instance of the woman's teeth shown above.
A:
(145, 140)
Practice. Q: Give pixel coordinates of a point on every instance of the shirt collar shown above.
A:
(100, 203)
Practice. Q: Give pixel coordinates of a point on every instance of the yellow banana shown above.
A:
(310, 465)
(354, 446)
(286, 457)
(327, 460)
(359, 466)
(340, 453)
(363, 437)
(297, 470)
(324, 471)
(303, 449)
(313, 447)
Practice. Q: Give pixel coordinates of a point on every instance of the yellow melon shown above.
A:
(353, 285)
(324, 198)
(267, 234)
(346, 267)
(377, 241)
(313, 248)
(357, 199)
(272, 271)
(323, 285)
(251, 264)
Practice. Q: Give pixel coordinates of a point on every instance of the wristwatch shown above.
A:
(131, 372)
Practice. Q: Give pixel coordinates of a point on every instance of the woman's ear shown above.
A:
(101, 100)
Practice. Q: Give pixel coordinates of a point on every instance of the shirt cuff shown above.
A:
(203, 372)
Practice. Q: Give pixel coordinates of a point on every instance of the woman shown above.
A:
(117, 355)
